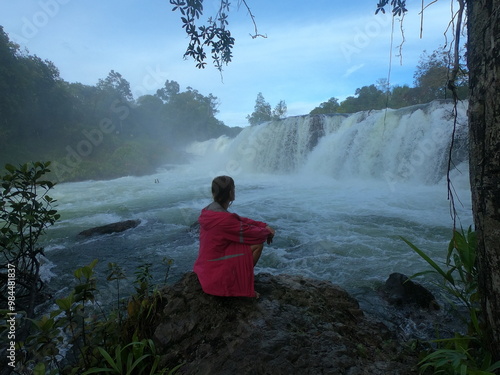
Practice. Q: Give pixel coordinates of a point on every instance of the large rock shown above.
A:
(297, 326)
(400, 290)
(110, 228)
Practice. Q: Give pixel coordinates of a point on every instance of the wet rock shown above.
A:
(297, 325)
(316, 131)
(110, 228)
(400, 290)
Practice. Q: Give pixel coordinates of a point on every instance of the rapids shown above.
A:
(340, 190)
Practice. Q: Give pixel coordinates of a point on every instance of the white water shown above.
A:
(339, 205)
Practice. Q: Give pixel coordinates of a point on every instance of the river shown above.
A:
(340, 192)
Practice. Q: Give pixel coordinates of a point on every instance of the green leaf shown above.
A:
(65, 303)
(78, 273)
(493, 367)
(10, 168)
(433, 264)
(44, 323)
(99, 370)
(112, 363)
(119, 359)
(136, 363)
(39, 369)
(87, 272)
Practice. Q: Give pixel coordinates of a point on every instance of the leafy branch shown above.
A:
(213, 36)
(26, 211)
(398, 7)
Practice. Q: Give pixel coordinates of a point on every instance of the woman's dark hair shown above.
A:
(221, 189)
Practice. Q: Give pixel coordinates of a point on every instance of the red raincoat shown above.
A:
(225, 263)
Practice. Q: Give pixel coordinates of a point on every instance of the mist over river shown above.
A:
(340, 190)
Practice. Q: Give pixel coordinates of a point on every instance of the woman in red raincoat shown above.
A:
(230, 245)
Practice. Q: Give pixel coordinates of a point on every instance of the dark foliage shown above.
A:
(95, 132)
(398, 7)
(25, 213)
(213, 35)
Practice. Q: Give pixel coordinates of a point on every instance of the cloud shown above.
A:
(310, 54)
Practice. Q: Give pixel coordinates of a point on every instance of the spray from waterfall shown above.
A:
(404, 145)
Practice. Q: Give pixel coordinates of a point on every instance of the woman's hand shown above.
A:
(270, 237)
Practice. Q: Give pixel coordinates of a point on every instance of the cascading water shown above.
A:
(340, 190)
(409, 144)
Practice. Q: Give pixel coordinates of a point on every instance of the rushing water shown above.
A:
(339, 190)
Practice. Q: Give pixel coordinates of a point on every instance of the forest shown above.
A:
(95, 132)
(102, 131)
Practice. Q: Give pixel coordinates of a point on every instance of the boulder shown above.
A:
(110, 228)
(297, 326)
(400, 290)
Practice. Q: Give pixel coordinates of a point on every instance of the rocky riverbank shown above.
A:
(297, 326)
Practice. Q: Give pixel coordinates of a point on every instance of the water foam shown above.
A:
(409, 144)
(334, 188)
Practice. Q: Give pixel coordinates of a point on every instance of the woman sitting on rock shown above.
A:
(230, 245)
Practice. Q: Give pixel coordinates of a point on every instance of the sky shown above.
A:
(311, 52)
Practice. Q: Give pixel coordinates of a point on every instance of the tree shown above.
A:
(431, 80)
(432, 75)
(483, 61)
(190, 115)
(484, 132)
(9, 105)
(168, 90)
(31, 95)
(331, 106)
(98, 131)
(367, 98)
(279, 112)
(148, 111)
(262, 111)
(25, 213)
(114, 92)
(403, 96)
(116, 85)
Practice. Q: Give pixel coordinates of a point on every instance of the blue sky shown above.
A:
(313, 50)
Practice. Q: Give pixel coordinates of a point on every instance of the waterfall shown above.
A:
(407, 144)
(339, 189)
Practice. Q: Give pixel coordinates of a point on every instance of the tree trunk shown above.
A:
(484, 130)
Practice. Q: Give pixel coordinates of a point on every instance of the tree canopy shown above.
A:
(97, 131)
(262, 111)
(430, 83)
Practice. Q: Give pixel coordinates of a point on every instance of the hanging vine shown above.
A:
(456, 24)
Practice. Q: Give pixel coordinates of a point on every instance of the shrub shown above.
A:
(25, 213)
(82, 337)
(463, 353)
